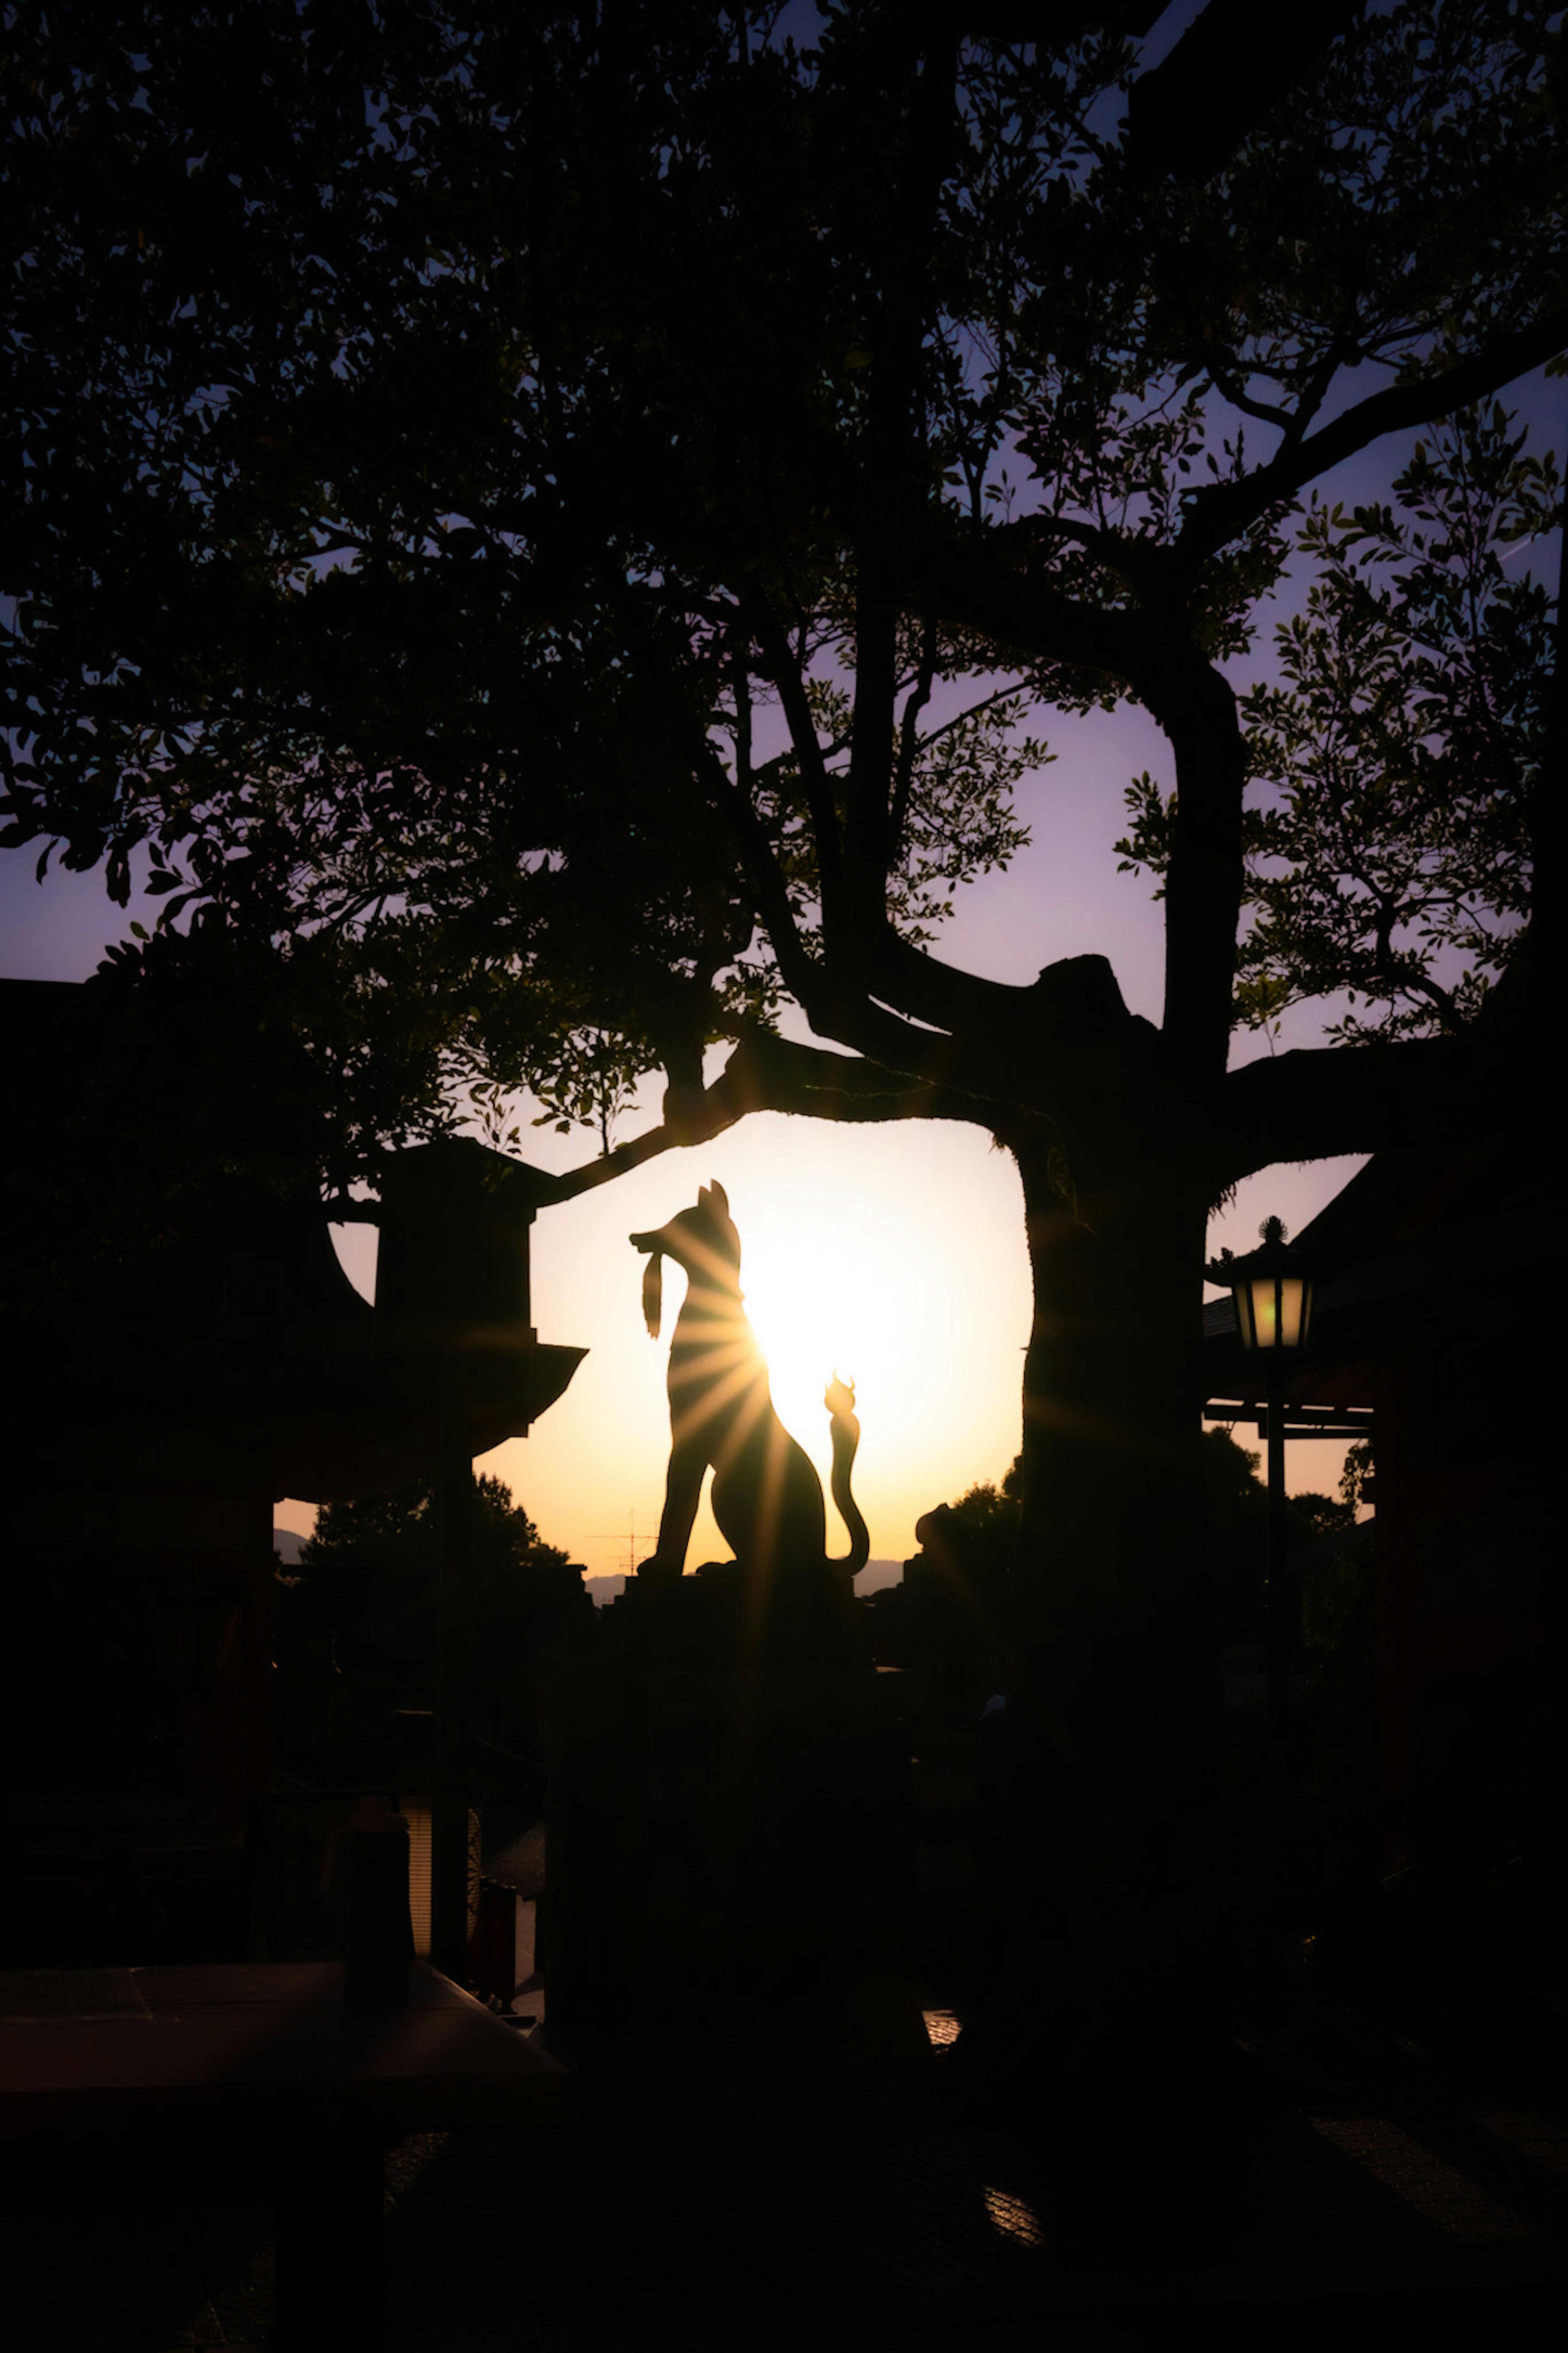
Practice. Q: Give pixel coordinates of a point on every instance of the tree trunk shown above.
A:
(1114, 1681)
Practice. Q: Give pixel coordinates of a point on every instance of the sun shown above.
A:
(901, 1269)
(827, 1299)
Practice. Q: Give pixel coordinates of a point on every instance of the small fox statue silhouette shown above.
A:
(767, 1497)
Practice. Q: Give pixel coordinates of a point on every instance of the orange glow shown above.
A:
(894, 1255)
(852, 1258)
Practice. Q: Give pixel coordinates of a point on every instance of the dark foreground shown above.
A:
(1333, 2184)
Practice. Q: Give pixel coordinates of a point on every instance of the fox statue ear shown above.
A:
(716, 1198)
(653, 1294)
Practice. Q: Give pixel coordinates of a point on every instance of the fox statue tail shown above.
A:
(839, 1399)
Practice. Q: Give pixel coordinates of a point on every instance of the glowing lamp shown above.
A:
(1271, 1292)
(418, 1813)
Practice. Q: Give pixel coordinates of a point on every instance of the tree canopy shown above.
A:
(582, 506)
(519, 490)
(368, 1579)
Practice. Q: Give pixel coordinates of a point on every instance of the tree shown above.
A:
(603, 490)
(368, 1579)
(359, 1631)
(1236, 1518)
(987, 1506)
(1356, 1480)
(1403, 749)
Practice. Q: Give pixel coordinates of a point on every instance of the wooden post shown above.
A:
(449, 1805)
(1279, 1596)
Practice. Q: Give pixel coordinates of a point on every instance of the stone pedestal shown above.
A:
(731, 1855)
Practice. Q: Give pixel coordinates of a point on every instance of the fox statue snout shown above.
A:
(767, 1497)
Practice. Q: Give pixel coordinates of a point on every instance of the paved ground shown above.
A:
(1338, 2186)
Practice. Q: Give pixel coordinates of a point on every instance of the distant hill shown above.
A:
(288, 1541)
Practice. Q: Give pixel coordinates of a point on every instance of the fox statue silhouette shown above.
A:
(767, 1498)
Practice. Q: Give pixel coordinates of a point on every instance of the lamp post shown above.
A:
(1272, 1294)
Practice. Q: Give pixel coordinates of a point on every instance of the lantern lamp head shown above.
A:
(1271, 1291)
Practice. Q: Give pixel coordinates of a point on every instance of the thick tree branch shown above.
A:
(963, 582)
(1223, 512)
(1546, 809)
(1195, 705)
(1142, 563)
(768, 1073)
(780, 1074)
(1325, 1099)
(910, 739)
(926, 92)
(925, 990)
(835, 994)
(832, 995)
(786, 673)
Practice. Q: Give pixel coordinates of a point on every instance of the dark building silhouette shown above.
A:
(1429, 1325)
(167, 1378)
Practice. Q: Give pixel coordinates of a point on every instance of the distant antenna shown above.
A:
(630, 1537)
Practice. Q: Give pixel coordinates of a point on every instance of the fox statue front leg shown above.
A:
(682, 1494)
